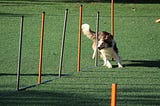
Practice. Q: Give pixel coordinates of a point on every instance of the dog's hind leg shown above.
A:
(118, 60)
(119, 63)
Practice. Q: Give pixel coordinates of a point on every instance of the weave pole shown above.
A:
(20, 53)
(79, 40)
(112, 17)
(41, 48)
(63, 40)
(113, 94)
(97, 30)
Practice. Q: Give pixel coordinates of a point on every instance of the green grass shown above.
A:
(137, 36)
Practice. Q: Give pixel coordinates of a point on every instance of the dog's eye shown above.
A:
(107, 41)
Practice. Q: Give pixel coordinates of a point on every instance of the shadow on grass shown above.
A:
(16, 15)
(125, 97)
(143, 63)
(140, 96)
(131, 63)
(10, 74)
(50, 98)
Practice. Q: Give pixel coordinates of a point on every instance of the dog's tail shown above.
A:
(88, 32)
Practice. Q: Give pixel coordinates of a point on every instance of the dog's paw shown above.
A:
(120, 66)
(108, 65)
(157, 21)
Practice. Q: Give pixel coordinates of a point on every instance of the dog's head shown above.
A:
(105, 40)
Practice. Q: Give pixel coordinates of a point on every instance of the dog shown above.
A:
(106, 45)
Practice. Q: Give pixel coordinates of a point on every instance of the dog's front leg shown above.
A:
(94, 54)
(106, 61)
(94, 50)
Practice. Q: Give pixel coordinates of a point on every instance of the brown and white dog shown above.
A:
(106, 45)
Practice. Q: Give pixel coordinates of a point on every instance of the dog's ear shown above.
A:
(105, 33)
(108, 40)
(100, 35)
(111, 35)
(108, 36)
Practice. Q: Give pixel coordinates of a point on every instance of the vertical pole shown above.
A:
(113, 94)
(79, 39)
(97, 30)
(112, 17)
(63, 40)
(19, 53)
(41, 48)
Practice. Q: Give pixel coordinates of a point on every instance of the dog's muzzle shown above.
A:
(102, 46)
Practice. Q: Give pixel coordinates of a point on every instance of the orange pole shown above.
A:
(79, 40)
(112, 17)
(41, 48)
(113, 94)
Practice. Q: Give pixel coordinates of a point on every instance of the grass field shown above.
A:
(137, 36)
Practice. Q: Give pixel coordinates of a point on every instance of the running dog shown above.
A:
(106, 45)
